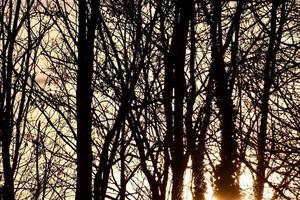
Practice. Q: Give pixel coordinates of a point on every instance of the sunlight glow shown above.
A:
(188, 185)
(246, 184)
(188, 182)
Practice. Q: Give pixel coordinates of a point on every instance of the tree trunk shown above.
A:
(84, 93)
(178, 50)
(269, 73)
(8, 188)
(198, 151)
(196, 133)
(226, 176)
(6, 109)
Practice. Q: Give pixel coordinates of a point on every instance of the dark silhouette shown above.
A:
(143, 99)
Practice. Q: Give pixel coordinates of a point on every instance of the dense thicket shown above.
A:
(143, 99)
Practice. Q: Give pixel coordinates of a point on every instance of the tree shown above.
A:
(84, 93)
(130, 99)
(19, 52)
(269, 75)
(227, 172)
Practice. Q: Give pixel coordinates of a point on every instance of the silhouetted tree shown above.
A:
(19, 47)
(120, 99)
(275, 36)
(88, 17)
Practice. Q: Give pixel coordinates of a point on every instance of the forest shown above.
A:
(150, 99)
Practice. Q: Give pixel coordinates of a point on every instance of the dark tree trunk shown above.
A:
(226, 175)
(269, 73)
(6, 104)
(6, 127)
(198, 151)
(8, 188)
(123, 182)
(196, 133)
(84, 93)
(178, 50)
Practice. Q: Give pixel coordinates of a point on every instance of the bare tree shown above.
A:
(119, 99)
(86, 36)
(269, 74)
(19, 52)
